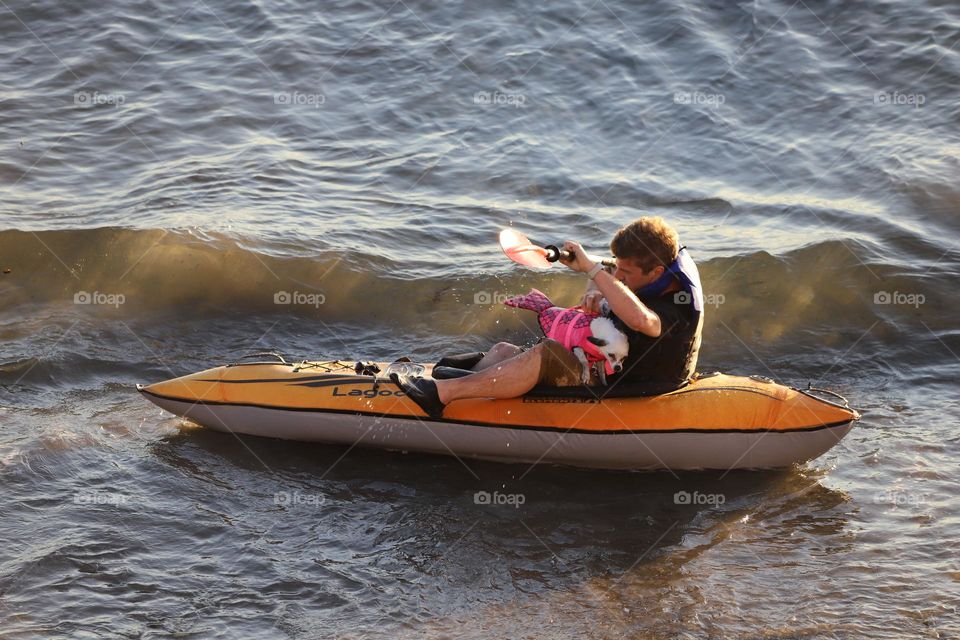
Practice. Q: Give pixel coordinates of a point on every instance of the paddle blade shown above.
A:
(519, 249)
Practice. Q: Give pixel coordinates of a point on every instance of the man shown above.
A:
(653, 295)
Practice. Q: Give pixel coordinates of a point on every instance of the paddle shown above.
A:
(518, 248)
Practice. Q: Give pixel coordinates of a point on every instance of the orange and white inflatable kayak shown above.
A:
(716, 421)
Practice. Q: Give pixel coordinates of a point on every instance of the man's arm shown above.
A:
(622, 301)
(590, 302)
(627, 306)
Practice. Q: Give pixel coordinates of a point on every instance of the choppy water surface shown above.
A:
(169, 168)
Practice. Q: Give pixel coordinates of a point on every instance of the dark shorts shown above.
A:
(558, 367)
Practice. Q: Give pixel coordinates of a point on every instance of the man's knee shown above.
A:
(505, 348)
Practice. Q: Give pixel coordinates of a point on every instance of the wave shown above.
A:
(828, 286)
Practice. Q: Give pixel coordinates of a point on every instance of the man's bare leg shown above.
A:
(498, 353)
(507, 379)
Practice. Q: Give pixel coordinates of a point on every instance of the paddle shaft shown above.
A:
(554, 253)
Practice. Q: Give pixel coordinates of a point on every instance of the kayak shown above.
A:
(716, 421)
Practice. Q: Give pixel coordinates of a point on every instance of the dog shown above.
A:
(592, 338)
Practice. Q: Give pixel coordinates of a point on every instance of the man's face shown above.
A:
(632, 274)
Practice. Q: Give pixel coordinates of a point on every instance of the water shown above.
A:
(179, 164)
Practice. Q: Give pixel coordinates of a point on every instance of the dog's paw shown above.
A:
(584, 365)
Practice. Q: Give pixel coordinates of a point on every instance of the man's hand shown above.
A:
(581, 261)
(591, 301)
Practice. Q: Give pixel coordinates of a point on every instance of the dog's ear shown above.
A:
(597, 342)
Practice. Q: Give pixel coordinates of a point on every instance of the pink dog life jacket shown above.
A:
(570, 327)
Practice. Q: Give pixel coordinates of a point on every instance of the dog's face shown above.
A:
(609, 341)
